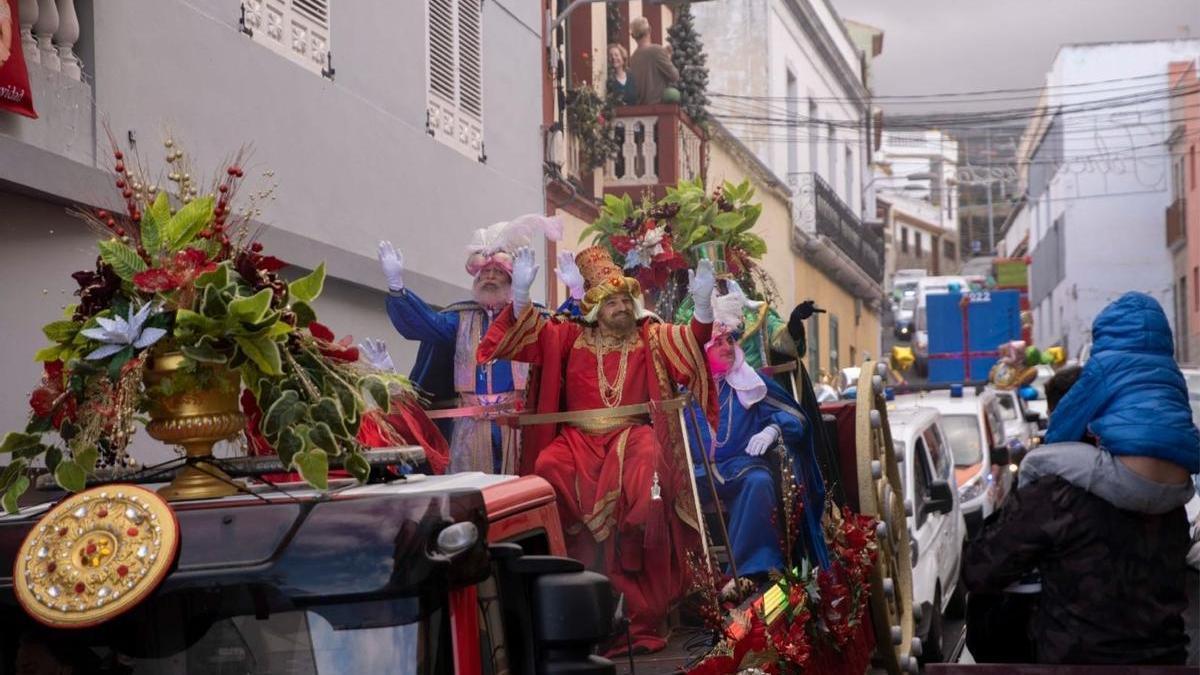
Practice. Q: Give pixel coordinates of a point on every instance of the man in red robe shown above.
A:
(617, 464)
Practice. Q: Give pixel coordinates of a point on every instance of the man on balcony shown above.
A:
(445, 368)
(650, 65)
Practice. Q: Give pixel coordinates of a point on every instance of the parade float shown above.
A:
(855, 613)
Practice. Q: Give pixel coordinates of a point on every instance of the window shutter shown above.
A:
(454, 97)
(295, 29)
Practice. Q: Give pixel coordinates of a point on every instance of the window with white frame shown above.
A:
(295, 29)
(454, 96)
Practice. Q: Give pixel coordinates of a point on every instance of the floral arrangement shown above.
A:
(590, 118)
(807, 615)
(180, 271)
(653, 240)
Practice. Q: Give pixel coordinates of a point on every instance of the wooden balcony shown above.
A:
(1176, 223)
(659, 146)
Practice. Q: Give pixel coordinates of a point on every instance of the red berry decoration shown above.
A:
(240, 173)
(121, 183)
(120, 232)
(223, 188)
(80, 588)
(127, 193)
(122, 570)
(133, 532)
(232, 171)
(257, 247)
(110, 223)
(119, 155)
(102, 214)
(120, 167)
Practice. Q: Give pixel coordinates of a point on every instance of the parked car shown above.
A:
(935, 521)
(902, 322)
(1021, 424)
(972, 426)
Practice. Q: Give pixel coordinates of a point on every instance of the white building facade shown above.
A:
(415, 121)
(1096, 180)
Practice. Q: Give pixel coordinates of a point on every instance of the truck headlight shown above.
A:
(972, 491)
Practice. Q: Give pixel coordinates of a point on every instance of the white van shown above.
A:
(935, 520)
(975, 430)
(925, 287)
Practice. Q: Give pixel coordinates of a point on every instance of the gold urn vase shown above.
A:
(195, 420)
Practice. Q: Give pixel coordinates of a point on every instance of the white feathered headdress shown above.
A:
(496, 243)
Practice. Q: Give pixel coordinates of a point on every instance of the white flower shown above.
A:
(118, 333)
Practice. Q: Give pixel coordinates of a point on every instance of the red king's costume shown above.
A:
(604, 467)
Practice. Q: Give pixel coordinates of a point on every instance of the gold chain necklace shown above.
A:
(728, 419)
(610, 394)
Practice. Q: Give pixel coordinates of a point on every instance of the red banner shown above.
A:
(15, 95)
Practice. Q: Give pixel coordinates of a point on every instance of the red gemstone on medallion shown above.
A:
(62, 531)
(102, 513)
(91, 548)
(122, 571)
(51, 567)
(80, 588)
(132, 531)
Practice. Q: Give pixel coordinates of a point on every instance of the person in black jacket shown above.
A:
(1107, 533)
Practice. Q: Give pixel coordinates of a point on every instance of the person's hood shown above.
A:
(1100, 473)
(1134, 323)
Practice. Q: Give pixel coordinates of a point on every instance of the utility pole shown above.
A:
(991, 218)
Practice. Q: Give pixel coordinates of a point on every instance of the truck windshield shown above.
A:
(962, 431)
(1008, 406)
(382, 636)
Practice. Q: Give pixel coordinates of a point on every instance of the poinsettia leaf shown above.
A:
(61, 331)
(14, 492)
(70, 476)
(358, 466)
(288, 445)
(313, 466)
(264, 352)
(153, 221)
(51, 353)
(304, 314)
(53, 457)
(218, 277)
(87, 458)
(187, 223)
(309, 286)
(125, 261)
(39, 425)
(328, 411)
(203, 352)
(322, 437)
(189, 322)
(15, 440)
(376, 391)
(251, 309)
(283, 412)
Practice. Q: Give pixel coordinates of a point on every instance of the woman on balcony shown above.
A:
(620, 82)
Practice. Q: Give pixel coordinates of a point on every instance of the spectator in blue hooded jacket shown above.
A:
(1105, 523)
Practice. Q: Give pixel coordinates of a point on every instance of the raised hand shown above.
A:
(392, 262)
(376, 354)
(524, 272)
(569, 274)
(701, 283)
(762, 441)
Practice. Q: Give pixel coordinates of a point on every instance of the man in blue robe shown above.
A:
(445, 368)
(756, 416)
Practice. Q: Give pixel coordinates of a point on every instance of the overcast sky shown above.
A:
(934, 46)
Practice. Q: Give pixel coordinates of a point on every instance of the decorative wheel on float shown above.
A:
(881, 495)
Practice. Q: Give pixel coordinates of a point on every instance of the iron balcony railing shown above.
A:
(817, 209)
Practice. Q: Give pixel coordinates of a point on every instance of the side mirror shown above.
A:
(1033, 416)
(940, 498)
(1001, 455)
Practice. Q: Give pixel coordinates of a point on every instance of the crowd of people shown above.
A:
(1098, 518)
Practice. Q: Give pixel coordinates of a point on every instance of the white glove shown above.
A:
(733, 288)
(568, 273)
(376, 354)
(762, 441)
(392, 262)
(700, 285)
(523, 274)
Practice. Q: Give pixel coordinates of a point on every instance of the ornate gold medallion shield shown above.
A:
(95, 556)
